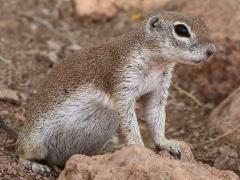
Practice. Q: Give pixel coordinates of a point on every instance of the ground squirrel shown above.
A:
(93, 91)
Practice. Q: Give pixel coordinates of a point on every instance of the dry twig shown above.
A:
(39, 20)
(189, 95)
(7, 61)
(218, 137)
(47, 24)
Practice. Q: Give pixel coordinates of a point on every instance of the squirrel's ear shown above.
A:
(152, 23)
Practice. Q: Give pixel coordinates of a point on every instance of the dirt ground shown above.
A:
(35, 35)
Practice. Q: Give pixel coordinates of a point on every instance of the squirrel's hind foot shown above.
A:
(35, 167)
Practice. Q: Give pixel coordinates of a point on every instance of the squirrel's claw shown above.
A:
(171, 146)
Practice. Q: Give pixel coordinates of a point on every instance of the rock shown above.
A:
(142, 5)
(214, 81)
(138, 162)
(54, 45)
(74, 47)
(226, 117)
(103, 9)
(51, 56)
(20, 117)
(228, 160)
(95, 9)
(9, 95)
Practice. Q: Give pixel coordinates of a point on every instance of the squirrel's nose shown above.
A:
(209, 53)
(210, 50)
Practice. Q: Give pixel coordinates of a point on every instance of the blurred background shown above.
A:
(204, 103)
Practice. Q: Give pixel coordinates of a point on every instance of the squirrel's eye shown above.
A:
(182, 30)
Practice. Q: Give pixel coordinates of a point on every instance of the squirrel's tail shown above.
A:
(8, 129)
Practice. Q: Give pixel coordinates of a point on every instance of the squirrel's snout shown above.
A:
(209, 53)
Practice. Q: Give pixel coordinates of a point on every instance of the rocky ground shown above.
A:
(144, 164)
(36, 35)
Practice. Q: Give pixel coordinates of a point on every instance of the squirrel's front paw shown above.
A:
(171, 146)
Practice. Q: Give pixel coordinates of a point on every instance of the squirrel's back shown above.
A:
(98, 66)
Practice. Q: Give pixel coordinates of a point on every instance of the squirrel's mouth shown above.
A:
(197, 62)
(201, 61)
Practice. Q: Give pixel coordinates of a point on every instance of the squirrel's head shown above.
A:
(175, 37)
